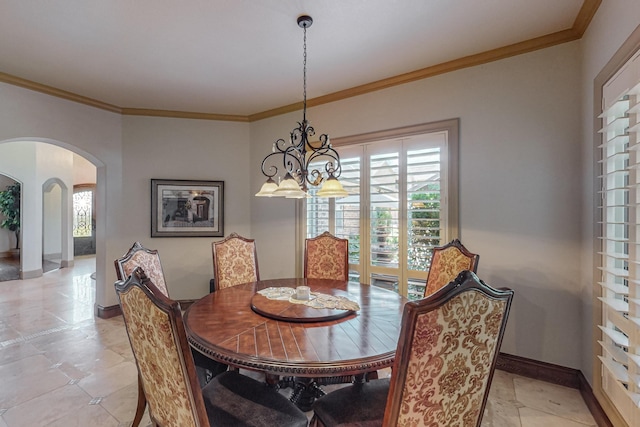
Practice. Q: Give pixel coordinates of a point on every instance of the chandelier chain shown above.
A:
(304, 75)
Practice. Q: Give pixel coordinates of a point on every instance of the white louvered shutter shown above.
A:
(619, 235)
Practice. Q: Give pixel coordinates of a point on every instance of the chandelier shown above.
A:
(298, 153)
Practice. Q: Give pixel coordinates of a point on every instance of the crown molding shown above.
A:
(581, 23)
(59, 93)
(183, 115)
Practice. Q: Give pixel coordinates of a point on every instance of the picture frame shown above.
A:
(187, 208)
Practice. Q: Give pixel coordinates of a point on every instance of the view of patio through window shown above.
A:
(396, 211)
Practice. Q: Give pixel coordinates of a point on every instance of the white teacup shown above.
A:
(303, 293)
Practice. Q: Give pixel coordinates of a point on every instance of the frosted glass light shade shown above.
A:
(289, 188)
(332, 188)
(268, 188)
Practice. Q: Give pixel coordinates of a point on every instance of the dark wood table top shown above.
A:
(223, 326)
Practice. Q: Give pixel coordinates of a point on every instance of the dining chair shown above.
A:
(444, 363)
(235, 261)
(167, 371)
(326, 257)
(447, 262)
(149, 261)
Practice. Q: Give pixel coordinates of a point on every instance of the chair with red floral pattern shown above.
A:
(168, 375)
(444, 364)
(235, 261)
(447, 262)
(326, 257)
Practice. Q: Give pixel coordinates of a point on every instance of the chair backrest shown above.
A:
(447, 262)
(446, 354)
(326, 257)
(235, 261)
(162, 353)
(148, 259)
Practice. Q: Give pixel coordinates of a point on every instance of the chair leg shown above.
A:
(142, 403)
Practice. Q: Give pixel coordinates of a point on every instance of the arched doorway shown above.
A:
(33, 162)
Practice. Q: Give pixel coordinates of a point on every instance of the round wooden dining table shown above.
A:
(244, 329)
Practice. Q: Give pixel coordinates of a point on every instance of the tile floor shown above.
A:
(61, 366)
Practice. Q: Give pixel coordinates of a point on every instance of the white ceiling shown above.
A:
(244, 57)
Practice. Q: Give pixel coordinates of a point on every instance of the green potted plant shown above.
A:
(10, 208)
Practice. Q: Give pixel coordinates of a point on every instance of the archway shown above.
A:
(37, 162)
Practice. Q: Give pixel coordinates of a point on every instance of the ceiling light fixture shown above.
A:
(299, 152)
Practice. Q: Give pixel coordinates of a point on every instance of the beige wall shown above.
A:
(520, 189)
(164, 148)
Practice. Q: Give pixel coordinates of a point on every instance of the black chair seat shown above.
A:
(233, 399)
(358, 405)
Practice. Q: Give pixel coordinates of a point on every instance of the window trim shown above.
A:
(451, 126)
(626, 51)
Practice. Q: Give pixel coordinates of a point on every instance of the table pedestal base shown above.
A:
(307, 390)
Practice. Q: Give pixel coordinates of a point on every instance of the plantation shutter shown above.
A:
(619, 234)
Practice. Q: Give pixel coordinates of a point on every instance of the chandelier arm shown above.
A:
(281, 146)
(271, 167)
(289, 156)
(326, 152)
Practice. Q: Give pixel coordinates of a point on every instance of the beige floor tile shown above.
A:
(7, 332)
(122, 403)
(33, 320)
(533, 418)
(500, 413)
(17, 351)
(552, 399)
(502, 386)
(89, 415)
(107, 381)
(84, 355)
(46, 408)
(28, 378)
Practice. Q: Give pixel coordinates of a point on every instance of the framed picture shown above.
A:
(183, 208)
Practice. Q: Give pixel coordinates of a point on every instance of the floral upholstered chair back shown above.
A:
(447, 262)
(148, 260)
(235, 261)
(326, 257)
(446, 355)
(162, 354)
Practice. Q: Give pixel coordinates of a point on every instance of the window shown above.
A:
(619, 235)
(402, 202)
(82, 213)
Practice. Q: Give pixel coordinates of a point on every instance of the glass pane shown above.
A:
(384, 207)
(347, 209)
(423, 206)
(82, 204)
